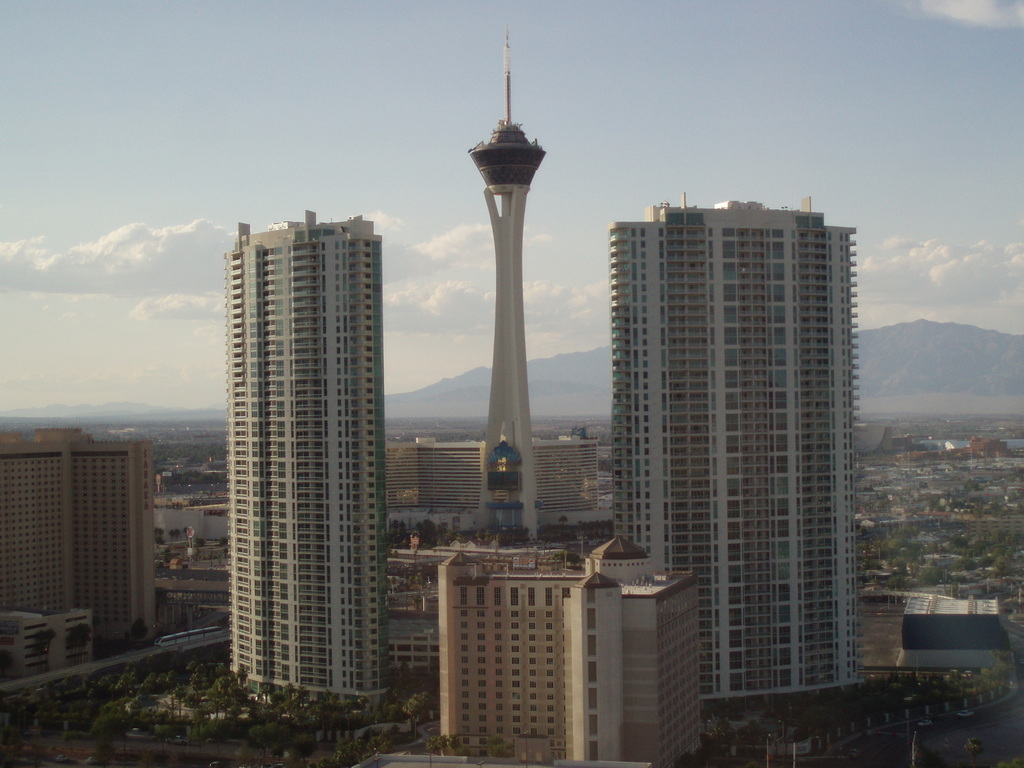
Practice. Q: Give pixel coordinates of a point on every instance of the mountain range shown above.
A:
(922, 367)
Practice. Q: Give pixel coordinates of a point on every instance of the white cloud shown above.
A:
(978, 13)
(133, 260)
(384, 223)
(980, 284)
(179, 306)
(452, 307)
(464, 245)
(27, 252)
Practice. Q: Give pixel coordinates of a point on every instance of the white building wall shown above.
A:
(733, 401)
(306, 458)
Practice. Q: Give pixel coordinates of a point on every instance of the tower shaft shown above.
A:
(509, 410)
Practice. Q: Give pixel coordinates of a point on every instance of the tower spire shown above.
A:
(508, 80)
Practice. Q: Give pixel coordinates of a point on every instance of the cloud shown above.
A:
(977, 13)
(980, 284)
(442, 314)
(179, 306)
(133, 260)
(384, 222)
(26, 252)
(464, 245)
(455, 307)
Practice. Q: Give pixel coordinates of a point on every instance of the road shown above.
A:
(10, 686)
(1000, 726)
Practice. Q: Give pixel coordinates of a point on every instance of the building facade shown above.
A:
(445, 478)
(599, 665)
(306, 456)
(733, 393)
(77, 516)
(45, 641)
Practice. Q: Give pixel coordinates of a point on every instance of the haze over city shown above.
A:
(136, 136)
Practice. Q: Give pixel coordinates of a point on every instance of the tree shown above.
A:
(974, 747)
(416, 707)
(109, 725)
(303, 745)
(10, 745)
(273, 737)
(103, 751)
(38, 643)
(498, 747)
(78, 635)
(444, 744)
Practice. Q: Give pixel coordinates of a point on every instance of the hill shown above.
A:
(921, 367)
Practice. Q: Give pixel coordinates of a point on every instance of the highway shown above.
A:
(84, 670)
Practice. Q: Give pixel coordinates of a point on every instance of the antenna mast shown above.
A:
(508, 81)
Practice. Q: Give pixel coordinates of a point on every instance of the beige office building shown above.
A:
(44, 641)
(594, 666)
(77, 516)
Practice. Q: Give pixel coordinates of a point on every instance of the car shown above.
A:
(924, 723)
(178, 740)
(137, 732)
(965, 713)
(91, 760)
(216, 764)
(61, 758)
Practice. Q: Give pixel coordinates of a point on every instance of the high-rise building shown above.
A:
(306, 456)
(733, 403)
(77, 516)
(599, 665)
(507, 163)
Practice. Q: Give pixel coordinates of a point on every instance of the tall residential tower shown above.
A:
(507, 163)
(306, 456)
(733, 404)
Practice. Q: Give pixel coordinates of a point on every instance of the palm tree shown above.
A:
(416, 707)
(78, 635)
(974, 747)
(40, 644)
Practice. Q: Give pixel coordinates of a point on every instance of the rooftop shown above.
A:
(937, 604)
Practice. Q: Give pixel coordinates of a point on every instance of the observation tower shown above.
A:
(508, 162)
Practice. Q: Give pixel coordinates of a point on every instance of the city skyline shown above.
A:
(133, 135)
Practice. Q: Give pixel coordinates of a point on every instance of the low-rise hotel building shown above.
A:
(594, 666)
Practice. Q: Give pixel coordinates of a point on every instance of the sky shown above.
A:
(135, 136)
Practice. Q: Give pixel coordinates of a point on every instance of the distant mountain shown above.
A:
(114, 411)
(940, 368)
(572, 384)
(921, 367)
